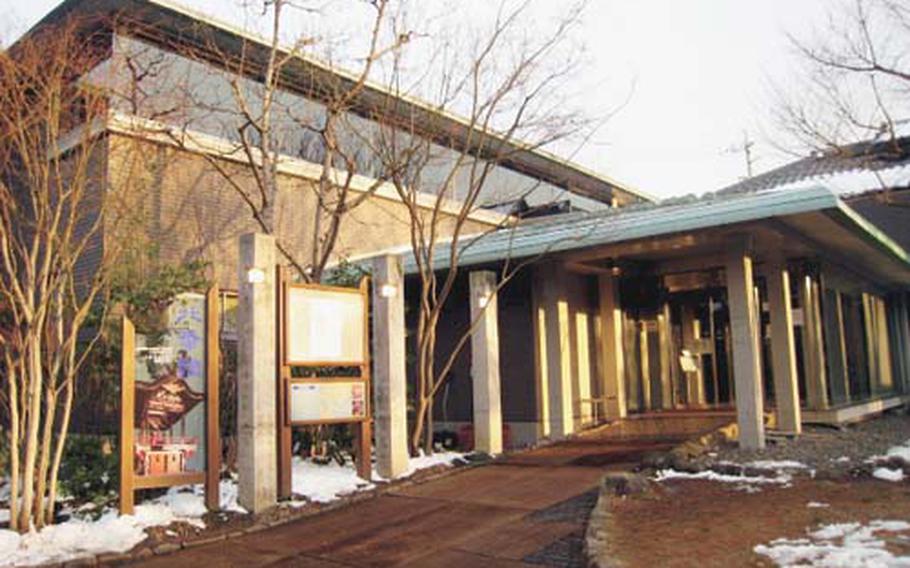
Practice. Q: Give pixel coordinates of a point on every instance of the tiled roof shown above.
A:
(872, 165)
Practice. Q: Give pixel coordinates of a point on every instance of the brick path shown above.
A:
(527, 510)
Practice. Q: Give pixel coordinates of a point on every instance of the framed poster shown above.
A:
(324, 325)
(324, 401)
(169, 399)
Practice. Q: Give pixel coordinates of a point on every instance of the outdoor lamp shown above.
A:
(255, 275)
(388, 290)
(483, 300)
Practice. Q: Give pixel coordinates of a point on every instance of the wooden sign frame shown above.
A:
(210, 476)
(328, 380)
(363, 437)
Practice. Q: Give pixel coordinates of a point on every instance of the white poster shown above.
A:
(324, 326)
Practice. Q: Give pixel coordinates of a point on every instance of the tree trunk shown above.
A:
(33, 350)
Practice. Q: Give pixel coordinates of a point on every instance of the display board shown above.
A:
(323, 401)
(169, 399)
(324, 325)
(323, 336)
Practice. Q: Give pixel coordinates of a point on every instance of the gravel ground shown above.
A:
(824, 448)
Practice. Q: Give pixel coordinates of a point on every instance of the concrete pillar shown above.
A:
(611, 350)
(257, 448)
(666, 358)
(583, 366)
(555, 355)
(485, 363)
(783, 348)
(744, 327)
(390, 419)
(813, 344)
(691, 338)
(644, 356)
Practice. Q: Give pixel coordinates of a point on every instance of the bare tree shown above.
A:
(282, 104)
(54, 262)
(854, 79)
(506, 85)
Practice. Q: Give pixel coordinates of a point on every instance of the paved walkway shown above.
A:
(527, 510)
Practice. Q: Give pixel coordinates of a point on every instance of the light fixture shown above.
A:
(483, 300)
(255, 276)
(388, 290)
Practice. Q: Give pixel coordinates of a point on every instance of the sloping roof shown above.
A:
(583, 230)
(167, 21)
(883, 162)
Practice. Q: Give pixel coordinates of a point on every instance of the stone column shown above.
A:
(783, 350)
(746, 362)
(485, 363)
(610, 349)
(389, 373)
(555, 356)
(257, 450)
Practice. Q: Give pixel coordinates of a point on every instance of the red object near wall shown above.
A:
(466, 437)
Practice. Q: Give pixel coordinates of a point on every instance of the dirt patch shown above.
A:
(704, 523)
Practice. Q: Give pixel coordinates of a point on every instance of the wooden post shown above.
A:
(364, 428)
(644, 355)
(127, 414)
(283, 377)
(744, 325)
(212, 425)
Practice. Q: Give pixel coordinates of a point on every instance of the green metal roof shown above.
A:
(582, 230)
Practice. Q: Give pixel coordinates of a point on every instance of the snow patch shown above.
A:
(838, 544)
(901, 452)
(817, 505)
(743, 481)
(777, 464)
(888, 474)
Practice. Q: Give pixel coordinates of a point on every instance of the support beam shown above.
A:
(783, 348)
(555, 355)
(582, 367)
(813, 344)
(644, 357)
(691, 338)
(835, 346)
(746, 361)
(665, 339)
(485, 363)
(389, 374)
(257, 429)
(611, 348)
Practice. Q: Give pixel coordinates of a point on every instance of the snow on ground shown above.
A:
(742, 482)
(888, 474)
(901, 452)
(817, 505)
(839, 544)
(81, 536)
(776, 464)
(326, 483)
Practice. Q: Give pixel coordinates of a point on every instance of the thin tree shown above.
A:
(853, 79)
(53, 261)
(282, 103)
(506, 85)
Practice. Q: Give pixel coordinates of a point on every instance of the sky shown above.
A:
(688, 80)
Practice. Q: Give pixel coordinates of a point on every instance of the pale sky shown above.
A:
(696, 75)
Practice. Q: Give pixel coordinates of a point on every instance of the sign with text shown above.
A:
(324, 326)
(322, 401)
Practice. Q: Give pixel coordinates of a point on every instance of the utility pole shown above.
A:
(744, 148)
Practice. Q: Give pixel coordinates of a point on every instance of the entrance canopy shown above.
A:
(811, 223)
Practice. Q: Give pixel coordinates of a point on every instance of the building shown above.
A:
(783, 297)
(176, 200)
